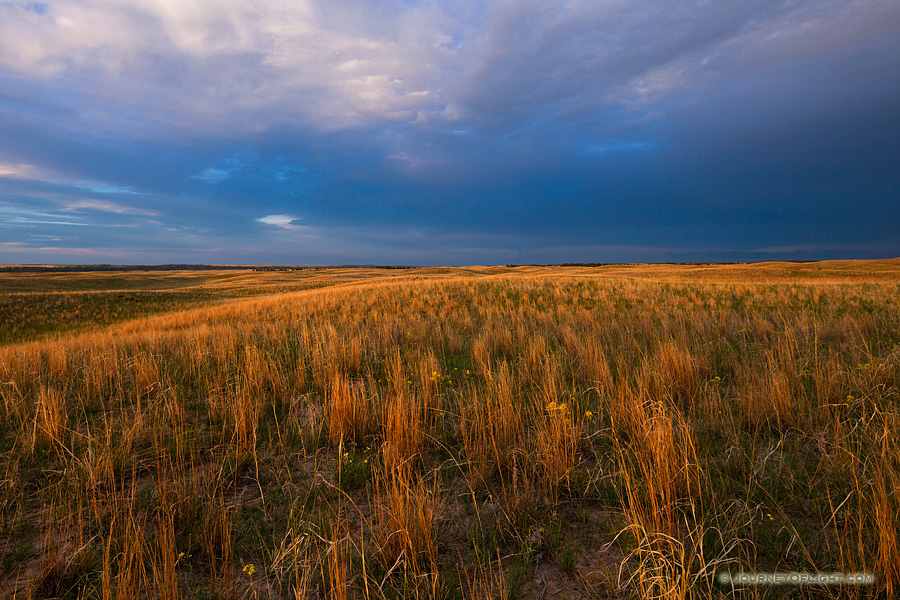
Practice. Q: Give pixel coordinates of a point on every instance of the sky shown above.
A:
(448, 132)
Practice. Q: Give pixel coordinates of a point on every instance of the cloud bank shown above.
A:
(446, 132)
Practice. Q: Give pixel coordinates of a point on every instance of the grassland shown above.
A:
(35, 304)
(622, 431)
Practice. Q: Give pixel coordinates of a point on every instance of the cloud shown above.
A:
(200, 68)
(12, 216)
(35, 173)
(277, 220)
(598, 125)
(620, 146)
(109, 207)
(212, 175)
(287, 222)
(18, 171)
(102, 188)
(208, 64)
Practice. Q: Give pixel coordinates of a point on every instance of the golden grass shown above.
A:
(378, 437)
(348, 412)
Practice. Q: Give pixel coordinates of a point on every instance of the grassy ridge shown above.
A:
(29, 316)
(37, 304)
(533, 432)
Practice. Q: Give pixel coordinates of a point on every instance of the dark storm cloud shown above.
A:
(439, 132)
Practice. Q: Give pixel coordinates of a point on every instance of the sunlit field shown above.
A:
(533, 432)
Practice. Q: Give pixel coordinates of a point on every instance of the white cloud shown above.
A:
(19, 171)
(21, 216)
(277, 220)
(209, 66)
(209, 63)
(108, 207)
(65, 199)
(287, 222)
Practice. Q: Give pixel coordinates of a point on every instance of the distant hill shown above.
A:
(174, 267)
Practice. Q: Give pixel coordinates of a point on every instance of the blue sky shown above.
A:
(439, 132)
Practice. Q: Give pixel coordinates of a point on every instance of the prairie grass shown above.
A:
(482, 433)
(348, 412)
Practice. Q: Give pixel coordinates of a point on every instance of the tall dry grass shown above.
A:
(370, 440)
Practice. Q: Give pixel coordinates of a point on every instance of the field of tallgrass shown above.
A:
(623, 432)
(35, 304)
